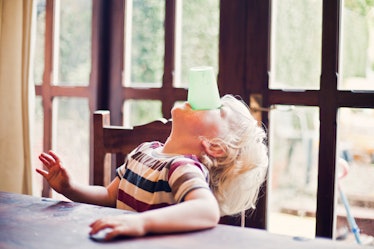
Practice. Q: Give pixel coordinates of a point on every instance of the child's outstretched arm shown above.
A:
(59, 179)
(199, 211)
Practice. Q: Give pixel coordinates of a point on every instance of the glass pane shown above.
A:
(71, 136)
(357, 66)
(199, 38)
(138, 112)
(147, 41)
(293, 170)
(356, 152)
(39, 42)
(75, 42)
(296, 44)
(37, 145)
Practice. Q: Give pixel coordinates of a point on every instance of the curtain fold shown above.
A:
(16, 94)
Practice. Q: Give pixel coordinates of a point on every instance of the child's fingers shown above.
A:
(48, 157)
(55, 157)
(95, 224)
(46, 161)
(42, 172)
(95, 227)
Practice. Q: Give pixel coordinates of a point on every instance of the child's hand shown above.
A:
(122, 225)
(56, 175)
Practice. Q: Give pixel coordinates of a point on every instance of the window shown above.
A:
(62, 72)
(320, 94)
(294, 129)
(357, 39)
(162, 41)
(293, 147)
(296, 44)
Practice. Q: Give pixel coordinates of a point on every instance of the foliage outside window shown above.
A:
(147, 41)
(296, 44)
(357, 67)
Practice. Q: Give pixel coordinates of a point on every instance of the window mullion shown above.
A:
(325, 218)
(169, 61)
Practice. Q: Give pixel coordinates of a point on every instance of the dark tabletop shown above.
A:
(34, 222)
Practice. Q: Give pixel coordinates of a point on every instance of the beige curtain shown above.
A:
(15, 95)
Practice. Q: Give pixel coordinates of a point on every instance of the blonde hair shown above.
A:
(236, 177)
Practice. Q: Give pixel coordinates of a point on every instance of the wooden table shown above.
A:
(33, 222)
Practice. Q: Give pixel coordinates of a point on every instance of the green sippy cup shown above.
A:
(203, 90)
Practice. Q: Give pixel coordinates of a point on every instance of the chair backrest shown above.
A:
(112, 143)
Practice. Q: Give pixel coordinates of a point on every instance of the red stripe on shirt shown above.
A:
(137, 205)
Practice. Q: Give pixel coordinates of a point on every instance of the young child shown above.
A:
(212, 164)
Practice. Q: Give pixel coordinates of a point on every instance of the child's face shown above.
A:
(207, 123)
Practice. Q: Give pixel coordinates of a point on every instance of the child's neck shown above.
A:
(182, 146)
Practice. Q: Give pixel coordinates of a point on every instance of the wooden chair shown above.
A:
(112, 143)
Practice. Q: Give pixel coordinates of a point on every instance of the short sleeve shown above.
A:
(186, 175)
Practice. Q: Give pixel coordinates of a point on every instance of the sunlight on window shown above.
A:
(39, 42)
(138, 112)
(75, 42)
(145, 42)
(296, 44)
(355, 145)
(293, 170)
(71, 136)
(357, 67)
(199, 37)
(37, 146)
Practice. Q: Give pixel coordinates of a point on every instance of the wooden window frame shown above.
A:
(166, 93)
(49, 90)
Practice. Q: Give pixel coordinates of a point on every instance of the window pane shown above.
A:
(293, 170)
(147, 41)
(296, 44)
(39, 42)
(356, 147)
(75, 42)
(37, 145)
(357, 46)
(71, 136)
(199, 38)
(138, 112)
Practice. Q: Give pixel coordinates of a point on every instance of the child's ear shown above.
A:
(213, 150)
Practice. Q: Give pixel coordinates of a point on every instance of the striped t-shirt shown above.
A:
(150, 179)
